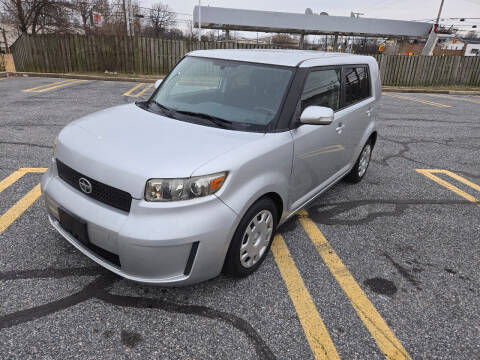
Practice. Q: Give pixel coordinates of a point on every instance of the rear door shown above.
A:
(318, 150)
(357, 110)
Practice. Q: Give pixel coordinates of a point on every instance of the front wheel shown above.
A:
(361, 166)
(252, 239)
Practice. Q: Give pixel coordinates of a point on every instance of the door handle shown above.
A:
(340, 128)
(369, 112)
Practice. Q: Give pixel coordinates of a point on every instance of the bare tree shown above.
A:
(284, 40)
(161, 17)
(191, 31)
(33, 16)
(22, 13)
(85, 9)
(55, 17)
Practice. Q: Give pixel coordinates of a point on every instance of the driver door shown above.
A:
(319, 151)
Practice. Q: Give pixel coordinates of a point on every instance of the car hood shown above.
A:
(124, 146)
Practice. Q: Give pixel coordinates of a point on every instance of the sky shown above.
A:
(387, 9)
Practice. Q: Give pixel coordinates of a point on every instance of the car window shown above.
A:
(244, 94)
(357, 84)
(199, 76)
(322, 88)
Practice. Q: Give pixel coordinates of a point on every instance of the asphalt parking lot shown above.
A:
(387, 268)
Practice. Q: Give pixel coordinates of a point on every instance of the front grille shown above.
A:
(106, 194)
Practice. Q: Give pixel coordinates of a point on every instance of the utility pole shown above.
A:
(199, 20)
(125, 17)
(438, 16)
(432, 38)
(131, 18)
(5, 41)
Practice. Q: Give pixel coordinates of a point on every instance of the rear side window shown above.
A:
(357, 84)
(322, 88)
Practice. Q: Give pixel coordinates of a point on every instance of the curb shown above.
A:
(152, 80)
(430, 91)
(81, 77)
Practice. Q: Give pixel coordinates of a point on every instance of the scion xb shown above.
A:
(195, 180)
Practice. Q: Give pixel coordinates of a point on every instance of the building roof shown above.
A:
(212, 17)
(471, 41)
(282, 57)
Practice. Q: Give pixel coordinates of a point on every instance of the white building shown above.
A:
(472, 50)
(453, 44)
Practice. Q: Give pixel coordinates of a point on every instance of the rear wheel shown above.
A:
(252, 239)
(360, 168)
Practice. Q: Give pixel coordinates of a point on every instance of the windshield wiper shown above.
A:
(214, 119)
(163, 107)
(164, 110)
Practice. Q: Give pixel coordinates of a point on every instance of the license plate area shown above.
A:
(74, 226)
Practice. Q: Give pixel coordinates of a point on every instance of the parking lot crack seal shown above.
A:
(97, 289)
(405, 144)
(404, 272)
(88, 292)
(328, 216)
(261, 348)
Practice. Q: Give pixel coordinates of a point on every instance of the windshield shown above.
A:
(238, 93)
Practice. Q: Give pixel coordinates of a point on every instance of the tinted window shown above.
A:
(357, 85)
(322, 88)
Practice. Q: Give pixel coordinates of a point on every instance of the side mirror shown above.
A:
(157, 83)
(317, 115)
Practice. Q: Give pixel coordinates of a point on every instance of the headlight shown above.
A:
(54, 145)
(184, 189)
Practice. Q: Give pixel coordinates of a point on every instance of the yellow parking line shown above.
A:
(60, 85)
(132, 89)
(389, 345)
(33, 170)
(141, 92)
(429, 173)
(19, 208)
(427, 102)
(46, 85)
(455, 98)
(313, 326)
(461, 179)
(10, 179)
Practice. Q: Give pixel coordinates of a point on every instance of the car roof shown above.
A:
(303, 58)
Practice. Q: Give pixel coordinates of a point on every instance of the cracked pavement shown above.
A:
(411, 244)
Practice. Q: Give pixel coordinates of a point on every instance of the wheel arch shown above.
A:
(277, 200)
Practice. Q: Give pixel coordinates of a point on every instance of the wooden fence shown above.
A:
(399, 70)
(80, 53)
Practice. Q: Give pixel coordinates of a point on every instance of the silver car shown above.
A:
(196, 180)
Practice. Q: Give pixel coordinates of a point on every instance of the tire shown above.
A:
(361, 166)
(243, 257)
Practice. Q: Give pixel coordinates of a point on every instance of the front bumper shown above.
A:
(177, 243)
